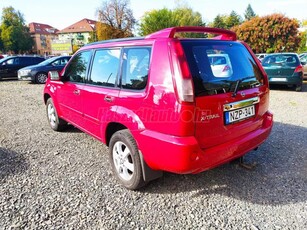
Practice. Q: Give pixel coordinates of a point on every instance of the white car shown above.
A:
(303, 59)
(220, 65)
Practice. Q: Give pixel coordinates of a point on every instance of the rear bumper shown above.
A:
(294, 80)
(183, 155)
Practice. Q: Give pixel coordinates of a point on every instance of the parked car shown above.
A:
(303, 59)
(39, 73)
(220, 65)
(302, 54)
(260, 56)
(11, 64)
(284, 69)
(158, 105)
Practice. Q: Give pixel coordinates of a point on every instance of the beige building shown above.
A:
(42, 35)
(79, 33)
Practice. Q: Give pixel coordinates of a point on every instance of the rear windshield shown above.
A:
(284, 60)
(220, 66)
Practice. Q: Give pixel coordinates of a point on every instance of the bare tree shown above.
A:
(117, 18)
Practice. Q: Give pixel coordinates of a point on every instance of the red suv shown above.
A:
(163, 103)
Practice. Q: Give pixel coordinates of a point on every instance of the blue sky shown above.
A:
(62, 13)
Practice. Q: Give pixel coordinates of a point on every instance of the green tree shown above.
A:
(304, 23)
(233, 20)
(15, 34)
(92, 37)
(187, 17)
(159, 19)
(219, 22)
(303, 36)
(155, 20)
(1, 43)
(268, 34)
(115, 19)
(303, 43)
(227, 21)
(249, 13)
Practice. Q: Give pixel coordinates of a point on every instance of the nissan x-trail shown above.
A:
(164, 102)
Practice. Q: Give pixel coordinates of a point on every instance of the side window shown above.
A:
(31, 61)
(64, 61)
(56, 62)
(135, 68)
(11, 61)
(105, 67)
(77, 69)
(34, 61)
(26, 61)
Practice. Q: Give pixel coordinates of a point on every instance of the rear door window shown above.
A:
(217, 66)
(25, 61)
(135, 67)
(105, 67)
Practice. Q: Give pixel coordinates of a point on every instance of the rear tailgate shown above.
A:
(231, 105)
(222, 118)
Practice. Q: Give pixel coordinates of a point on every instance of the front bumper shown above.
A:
(25, 77)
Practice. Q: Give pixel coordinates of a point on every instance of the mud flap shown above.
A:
(148, 173)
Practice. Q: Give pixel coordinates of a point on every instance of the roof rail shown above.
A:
(115, 40)
(170, 32)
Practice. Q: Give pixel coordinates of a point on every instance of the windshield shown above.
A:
(221, 66)
(4, 59)
(48, 61)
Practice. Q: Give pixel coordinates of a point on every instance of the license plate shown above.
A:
(239, 114)
(278, 79)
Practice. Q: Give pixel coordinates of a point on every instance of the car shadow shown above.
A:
(11, 163)
(71, 129)
(8, 79)
(279, 176)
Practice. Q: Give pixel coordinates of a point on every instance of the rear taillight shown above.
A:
(226, 68)
(298, 69)
(182, 75)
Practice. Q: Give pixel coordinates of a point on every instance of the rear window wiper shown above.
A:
(238, 82)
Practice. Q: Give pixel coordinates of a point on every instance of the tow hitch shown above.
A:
(249, 166)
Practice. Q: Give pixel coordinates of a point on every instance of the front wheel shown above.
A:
(41, 78)
(55, 122)
(125, 160)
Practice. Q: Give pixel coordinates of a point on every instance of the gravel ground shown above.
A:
(51, 180)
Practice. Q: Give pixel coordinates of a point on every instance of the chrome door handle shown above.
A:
(108, 98)
(77, 92)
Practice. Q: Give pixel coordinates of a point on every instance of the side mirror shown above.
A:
(54, 75)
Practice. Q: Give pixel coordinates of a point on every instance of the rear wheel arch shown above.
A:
(112, 128)
(141, 173)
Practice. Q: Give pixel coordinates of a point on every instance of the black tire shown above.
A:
(55, 122)
(125, 160)
(298, 88)
(41, 78)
